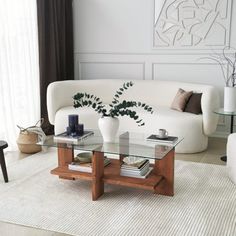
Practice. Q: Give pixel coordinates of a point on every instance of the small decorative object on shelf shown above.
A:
(109, 122)
(83, 162)
(227, 62)
(74, 132)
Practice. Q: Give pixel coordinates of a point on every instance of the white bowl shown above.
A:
(84, 157)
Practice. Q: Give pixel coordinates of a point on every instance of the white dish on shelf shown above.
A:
(132, 160)
(84, 157)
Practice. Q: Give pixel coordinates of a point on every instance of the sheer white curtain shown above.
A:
(19, 67)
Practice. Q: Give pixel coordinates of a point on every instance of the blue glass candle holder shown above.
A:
(80, 129)
(68, 130)
(73, 120)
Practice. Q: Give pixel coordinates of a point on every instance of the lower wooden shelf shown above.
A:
(112, 176)
(65, 172)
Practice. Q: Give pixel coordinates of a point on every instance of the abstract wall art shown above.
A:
(191, 24)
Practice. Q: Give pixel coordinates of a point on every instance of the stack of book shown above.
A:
(137, 170)
(64, 137)
(85, 166)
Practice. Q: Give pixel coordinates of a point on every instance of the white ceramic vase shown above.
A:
(108, 127)
(230, 99)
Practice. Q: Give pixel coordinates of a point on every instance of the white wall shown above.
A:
(137, 39)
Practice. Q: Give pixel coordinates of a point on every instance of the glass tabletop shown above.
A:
(221, 111)
(126, 144)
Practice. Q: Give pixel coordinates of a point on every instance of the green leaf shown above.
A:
(94, 105)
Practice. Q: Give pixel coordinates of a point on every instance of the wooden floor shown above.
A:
(216, 149)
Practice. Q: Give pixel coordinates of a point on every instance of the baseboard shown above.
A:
(219, 134)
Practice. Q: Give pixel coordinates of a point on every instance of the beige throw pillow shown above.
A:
(181, 99)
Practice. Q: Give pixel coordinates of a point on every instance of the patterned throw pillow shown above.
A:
(181, 99)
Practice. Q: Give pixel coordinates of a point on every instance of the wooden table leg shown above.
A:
(65, 157)
(165, 167)
(97, 175)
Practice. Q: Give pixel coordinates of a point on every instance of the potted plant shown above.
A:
(109, 123)
(227, 62)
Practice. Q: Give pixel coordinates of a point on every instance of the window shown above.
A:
(19, 67)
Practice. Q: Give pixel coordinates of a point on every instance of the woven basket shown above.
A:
(27, 140)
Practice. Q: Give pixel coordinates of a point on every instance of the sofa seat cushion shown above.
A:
(175, 122)
(180, 124)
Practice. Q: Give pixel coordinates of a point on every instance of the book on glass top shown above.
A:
(168, 139)
(69, 138)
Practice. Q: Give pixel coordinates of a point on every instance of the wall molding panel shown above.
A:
(188, 67)
(102, 70)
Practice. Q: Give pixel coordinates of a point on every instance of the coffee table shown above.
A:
(160, 180)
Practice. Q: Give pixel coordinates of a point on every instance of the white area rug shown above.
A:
(204, 202)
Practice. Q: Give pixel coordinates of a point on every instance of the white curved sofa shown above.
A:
(159, 94)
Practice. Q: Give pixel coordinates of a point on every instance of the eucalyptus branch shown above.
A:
(85, 99)
(128, 104)
(131, 114)
(117, 108)
(120, 92)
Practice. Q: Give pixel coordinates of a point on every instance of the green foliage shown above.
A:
(117, 107)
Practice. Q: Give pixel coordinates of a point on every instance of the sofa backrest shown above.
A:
(153, 92)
